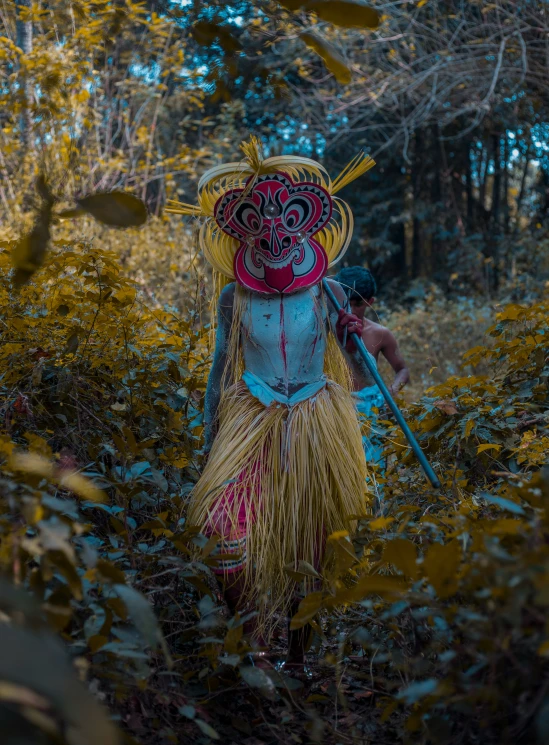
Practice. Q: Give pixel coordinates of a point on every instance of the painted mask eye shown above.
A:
(286, 241)
(297, 213)
(247, 218)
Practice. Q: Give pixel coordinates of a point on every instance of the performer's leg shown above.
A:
(233, 539)
(234, 586)
(233, 592)
(298, 639)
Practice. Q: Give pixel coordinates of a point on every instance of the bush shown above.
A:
(456, 648)
(100, 433)
(444, 595)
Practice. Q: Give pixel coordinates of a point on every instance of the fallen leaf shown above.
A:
(447, 406)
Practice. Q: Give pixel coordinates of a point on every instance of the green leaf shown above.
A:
(284, 681)
(72, 343)
(487, 446)
(38, 663)
(505, 504)
(402, 554)
(141, 613)
(14, 599)
(418, 690)
(308, 608)
(303, 569)
(116, 208)
(69, 214)
(373, 584)
(258, 678)
(345, 13)
(441, 565)
(330, 56)
(206, 729)
(110, 572)
(207, 32)
(29, 252)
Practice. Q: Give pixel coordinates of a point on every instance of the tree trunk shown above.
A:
(520, 198)
(496, 189)
(438, 248)
(24, 42)
(417, 264)
(469, 189)
(506, 211)
(408, 233)
(452, 193)
(494, 235)
(483, 176)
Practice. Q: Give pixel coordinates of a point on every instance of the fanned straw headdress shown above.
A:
(220, 243)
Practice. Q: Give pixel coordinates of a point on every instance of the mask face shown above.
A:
(275, 223)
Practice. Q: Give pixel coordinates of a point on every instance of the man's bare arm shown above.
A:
(213, 389)
(392, 354)
(355, 361)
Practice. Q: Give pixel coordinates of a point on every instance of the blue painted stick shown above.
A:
(431, 475)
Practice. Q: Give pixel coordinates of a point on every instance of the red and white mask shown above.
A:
(275, 223)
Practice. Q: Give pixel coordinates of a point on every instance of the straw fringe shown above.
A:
(355, 168)
(301, 474)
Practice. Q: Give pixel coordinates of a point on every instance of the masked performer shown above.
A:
(286, 466)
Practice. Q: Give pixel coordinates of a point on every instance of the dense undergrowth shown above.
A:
(432, 626)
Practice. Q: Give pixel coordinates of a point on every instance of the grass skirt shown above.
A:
(278, 481)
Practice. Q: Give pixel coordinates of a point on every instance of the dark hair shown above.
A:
(359, 278)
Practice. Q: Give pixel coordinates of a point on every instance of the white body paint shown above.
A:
(284, 338)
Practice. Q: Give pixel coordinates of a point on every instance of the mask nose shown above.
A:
(276, 244)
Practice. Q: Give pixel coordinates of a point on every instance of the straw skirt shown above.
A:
(278, 481)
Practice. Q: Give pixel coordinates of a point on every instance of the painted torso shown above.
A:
(283, 338)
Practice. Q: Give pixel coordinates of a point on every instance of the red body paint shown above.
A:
(283, 338)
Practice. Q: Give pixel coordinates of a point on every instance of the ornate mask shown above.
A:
(275, 222)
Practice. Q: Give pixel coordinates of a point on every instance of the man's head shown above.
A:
(360, 286)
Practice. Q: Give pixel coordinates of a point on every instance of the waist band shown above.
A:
(368, 393)
(267, 395)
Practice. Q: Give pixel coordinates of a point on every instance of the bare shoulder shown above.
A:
(377, 335)
(388, 336)
(377, 328)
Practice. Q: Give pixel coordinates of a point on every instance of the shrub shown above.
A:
(448, 594)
